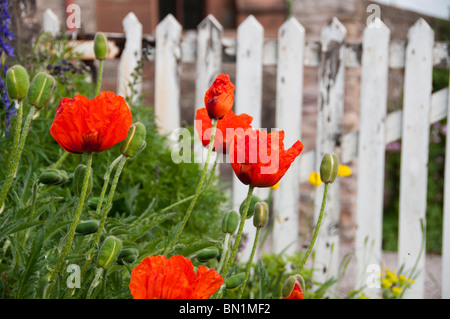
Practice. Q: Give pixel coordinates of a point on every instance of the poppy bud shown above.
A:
(41, 90)
(17, 82)
(100, 46)
(230, 222)
(219, 97)
(78, 179)
(86, 227)
(127, 255)
(207, 253)
(135, 140)
(109, 252)
(93, 202)
(293, 287)
(329, 168)
(253, 200)
(53, 177)
(235, 281)
(261, 215)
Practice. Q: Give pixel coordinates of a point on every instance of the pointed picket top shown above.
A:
(250, 23)
(51, 22)
(291, 24)
(378, 24)
(210, 20)
(168, 22)
(422, 25)
(333, 32)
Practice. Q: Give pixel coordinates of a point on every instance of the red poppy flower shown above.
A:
(82, 125)
(174, 278)
(259, 158)
(219, 97)
(297, 292)
(225, 128)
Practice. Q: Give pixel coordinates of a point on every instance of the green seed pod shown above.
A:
(17, 82)
(207, 253)
(289, 285)
(235, 281)
(230, 222)
(329, 168)
(100, 46)
(127, 255)
(109, 252)
(86, 227)
(78, 178)
(253, 200)
(41, 90)
(261, 215)
(135, 140)
(53, 177)
(93, 202)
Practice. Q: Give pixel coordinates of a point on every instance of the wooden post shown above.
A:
(51, 22)
(291, 42)
(414, 155)
(371, 156)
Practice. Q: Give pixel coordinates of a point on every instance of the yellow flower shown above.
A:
(274, 187)
(344, 170)
(314, 179)
(363, 296)
(391, 275)
(396, 291)
(386, 283)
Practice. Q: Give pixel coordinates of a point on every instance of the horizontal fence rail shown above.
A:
(332, 55)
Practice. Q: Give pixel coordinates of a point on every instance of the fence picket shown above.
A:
(248, 99)
(209, 65)
(446, 220)
(288, 117)
(51, 22)
(329, 128)
(130, 57)
(414, 154)
(167, 74)
(371, 153)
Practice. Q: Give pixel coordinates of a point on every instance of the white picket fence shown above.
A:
(290, 53)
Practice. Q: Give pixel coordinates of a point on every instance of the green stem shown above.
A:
(112, 190)
(224, 252)
(239, 234)
(16, 155)
(197, 192)
(316, 230)
(61, 160)
(99, 77)
(249, 264)
(17, 131)
(71, 234)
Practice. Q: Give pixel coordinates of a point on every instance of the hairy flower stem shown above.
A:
(123, 160)
(99, 77)
(16, 154)
(239, 234)
(316, 230)
(197, 192)
(224, 252)
(71, 234)
(249, 264)
(17, 130)
(61, 160)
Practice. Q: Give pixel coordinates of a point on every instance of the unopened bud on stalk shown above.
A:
(261, 215)
(207, 253)
(293, 287)
(253, 200)
(135, 141)
(100, 46)
(230, 222)
(109, 252)
(78, 179)
(329, 168)
(53, 177)
(235, 281)
(86, 227)
(17, 82)
(127, 255)
(41, 90)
